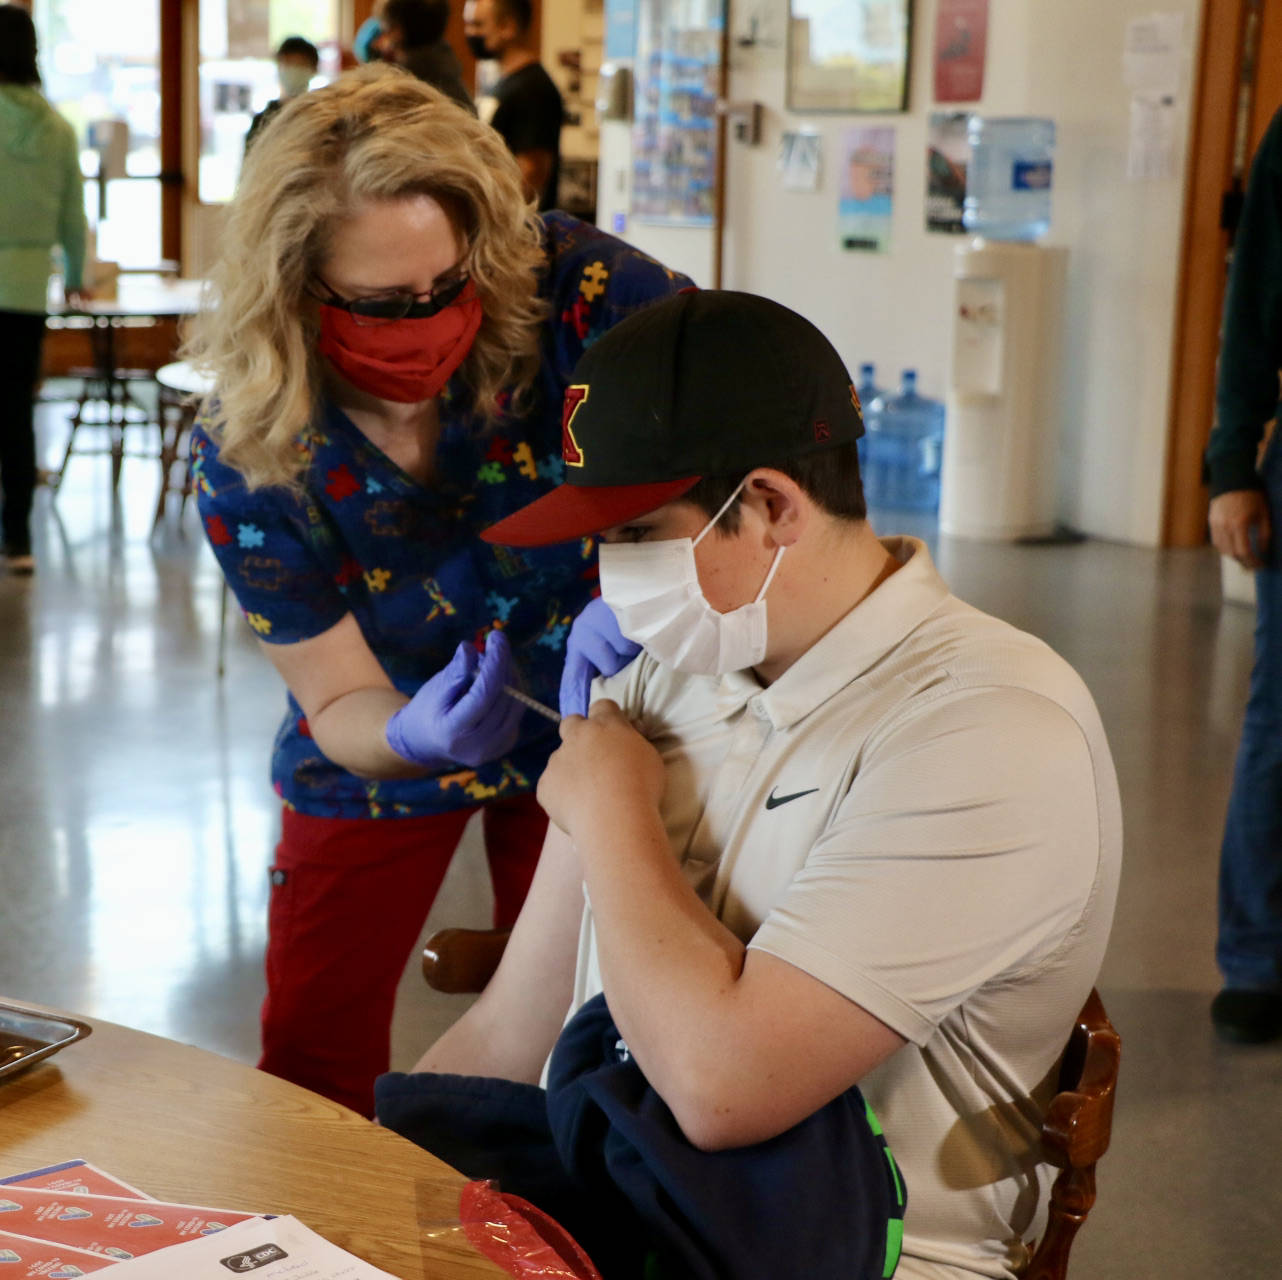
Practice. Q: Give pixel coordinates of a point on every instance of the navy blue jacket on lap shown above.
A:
(602, 1154)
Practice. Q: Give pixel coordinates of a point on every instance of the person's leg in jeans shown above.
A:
(514, 831)
(21, 341)
(348, 899)
(1249, 949)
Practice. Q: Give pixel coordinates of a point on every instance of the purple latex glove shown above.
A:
(596, 648)
(461, 713)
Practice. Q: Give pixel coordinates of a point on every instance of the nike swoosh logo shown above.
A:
(773, 801)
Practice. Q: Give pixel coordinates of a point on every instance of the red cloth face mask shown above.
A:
(404, 360)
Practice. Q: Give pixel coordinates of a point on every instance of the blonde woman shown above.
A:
(391, 346)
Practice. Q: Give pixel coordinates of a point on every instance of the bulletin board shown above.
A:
(674, 133)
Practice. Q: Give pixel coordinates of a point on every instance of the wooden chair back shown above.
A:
(457, 961)
(1075, 1133)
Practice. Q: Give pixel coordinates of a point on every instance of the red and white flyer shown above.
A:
(77, 1177)
(118, 1226)
(45, 1260)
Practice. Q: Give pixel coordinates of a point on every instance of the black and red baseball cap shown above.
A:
(707, 382)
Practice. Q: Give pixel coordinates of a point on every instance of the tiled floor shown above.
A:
(136, 822)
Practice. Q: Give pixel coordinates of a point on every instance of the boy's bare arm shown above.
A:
(509, 1031)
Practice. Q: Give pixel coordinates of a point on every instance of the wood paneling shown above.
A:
(1202, 271)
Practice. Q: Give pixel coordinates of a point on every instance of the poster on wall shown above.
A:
(800, 157)
(674, 131)
(947, 155)
(961, 47)
(865, 201)
(848, 55)
(620, 29)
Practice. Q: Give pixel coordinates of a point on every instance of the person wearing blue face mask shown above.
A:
(833, 830)
(297, 62)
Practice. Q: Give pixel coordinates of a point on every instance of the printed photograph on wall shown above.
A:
(848, 55)
(961, 47)
(866, 199)
(674, 131)
(947, 155)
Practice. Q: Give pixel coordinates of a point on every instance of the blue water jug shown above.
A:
(905, 444)
(1008, 180)
(868, 391)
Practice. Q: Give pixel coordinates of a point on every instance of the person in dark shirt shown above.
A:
(297, 61)
(414, 38)
(528, 111)
(1246, 505)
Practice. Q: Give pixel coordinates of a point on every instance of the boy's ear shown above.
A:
(782, 503)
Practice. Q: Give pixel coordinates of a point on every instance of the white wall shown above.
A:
(1057, 58)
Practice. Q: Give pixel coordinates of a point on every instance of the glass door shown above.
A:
(100, 63)
(238, 41)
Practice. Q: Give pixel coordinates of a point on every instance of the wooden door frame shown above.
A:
(1200, 294)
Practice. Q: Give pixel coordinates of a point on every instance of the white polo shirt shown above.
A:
(922, 813)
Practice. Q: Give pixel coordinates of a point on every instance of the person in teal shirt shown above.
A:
(43, 206)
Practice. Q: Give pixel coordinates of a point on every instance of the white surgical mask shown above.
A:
(653, 590)
(293, 80)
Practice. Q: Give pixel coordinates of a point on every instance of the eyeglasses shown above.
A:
(388, 307)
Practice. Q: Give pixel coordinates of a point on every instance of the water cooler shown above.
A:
(998, 480)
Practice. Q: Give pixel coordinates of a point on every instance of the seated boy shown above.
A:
(833, 827)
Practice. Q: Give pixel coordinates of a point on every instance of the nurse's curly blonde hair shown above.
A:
(374, 134)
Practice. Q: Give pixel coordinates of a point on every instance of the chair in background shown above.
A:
(180, 388)
(1076, 1128)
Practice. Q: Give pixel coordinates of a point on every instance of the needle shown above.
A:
(533, 703)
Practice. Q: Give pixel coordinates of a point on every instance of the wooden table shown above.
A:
(139, 299)
(190, 1126)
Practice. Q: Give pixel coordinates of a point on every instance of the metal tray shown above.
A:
(28, 1036)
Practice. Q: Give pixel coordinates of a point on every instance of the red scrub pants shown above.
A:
(349, 897)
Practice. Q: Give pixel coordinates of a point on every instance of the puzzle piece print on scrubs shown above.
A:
(576, 317)
(250, 536)
(524, 458)
(340, 484)
(501, 606)
(508, 561)
(349, 571)
(552, 468)
(555, 632)
(388, 518)
(217, 531)
(260, 624)
(593, 283)
(513, 775)
(372, 485)
(460, 779)
(479, 790)
(442, 607)
(500, 451)
(491, 473)
(377, 579)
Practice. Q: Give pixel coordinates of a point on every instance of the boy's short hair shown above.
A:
(830, 479)
(297, 47)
